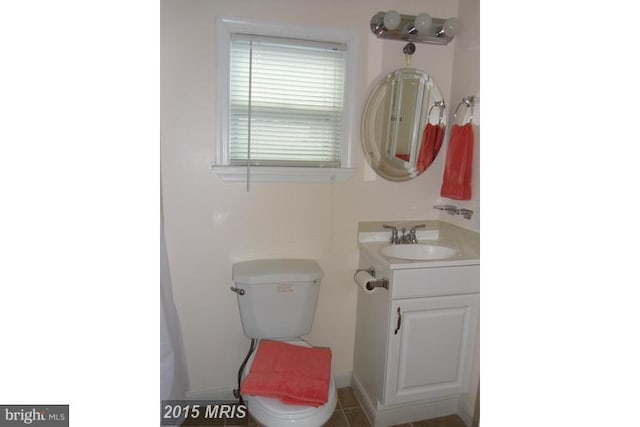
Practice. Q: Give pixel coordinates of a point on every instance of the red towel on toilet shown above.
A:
(456, 183)
(296, 375)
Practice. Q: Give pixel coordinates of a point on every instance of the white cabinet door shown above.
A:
(430, 347)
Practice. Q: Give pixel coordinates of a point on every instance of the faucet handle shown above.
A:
(412, 233)
(394, 233)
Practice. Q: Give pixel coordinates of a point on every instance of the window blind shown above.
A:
(295, 105)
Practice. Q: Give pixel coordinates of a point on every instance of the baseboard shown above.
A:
(417, 411)
(368, 406)
(342, 380)
(465, 413)
(400, 414)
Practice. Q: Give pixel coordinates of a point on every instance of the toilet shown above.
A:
(277, 301)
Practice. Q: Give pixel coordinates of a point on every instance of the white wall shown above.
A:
(210, 225)
(466, 82)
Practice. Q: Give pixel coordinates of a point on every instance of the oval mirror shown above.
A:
(403, 124)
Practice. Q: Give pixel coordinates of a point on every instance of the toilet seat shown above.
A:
(271, 412)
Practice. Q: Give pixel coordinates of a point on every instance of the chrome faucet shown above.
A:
(405, 238)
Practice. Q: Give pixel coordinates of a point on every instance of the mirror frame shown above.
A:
(393, 168)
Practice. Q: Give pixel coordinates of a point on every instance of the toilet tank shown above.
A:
(279, 299)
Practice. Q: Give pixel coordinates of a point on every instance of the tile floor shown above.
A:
(349, 413)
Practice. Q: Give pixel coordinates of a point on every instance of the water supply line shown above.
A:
(236, 392)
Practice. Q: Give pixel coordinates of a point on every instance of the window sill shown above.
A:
(283, 174)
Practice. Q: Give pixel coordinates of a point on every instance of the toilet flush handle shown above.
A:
(237, 290)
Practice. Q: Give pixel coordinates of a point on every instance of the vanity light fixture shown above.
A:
(414, 29)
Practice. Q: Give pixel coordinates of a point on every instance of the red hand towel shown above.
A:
(456, 183)
(431, 142)
(296, 375)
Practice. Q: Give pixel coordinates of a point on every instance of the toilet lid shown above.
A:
(273, 407)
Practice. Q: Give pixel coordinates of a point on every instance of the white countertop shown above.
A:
(372, 237)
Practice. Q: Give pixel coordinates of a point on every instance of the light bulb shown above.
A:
(451, 27)
(422, 22)
(391, 20)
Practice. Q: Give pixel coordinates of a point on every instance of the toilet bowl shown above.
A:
(271, 412)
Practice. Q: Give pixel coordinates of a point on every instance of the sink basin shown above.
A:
(418, 251)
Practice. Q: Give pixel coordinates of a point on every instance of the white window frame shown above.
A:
(227, 26)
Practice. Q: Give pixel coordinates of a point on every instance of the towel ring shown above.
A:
(469, 102)
(440, 105)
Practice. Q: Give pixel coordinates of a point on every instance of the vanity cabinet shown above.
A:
(430, 347)
(415, 341)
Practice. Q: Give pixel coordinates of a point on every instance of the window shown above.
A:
(284, 108)
(286, 102)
